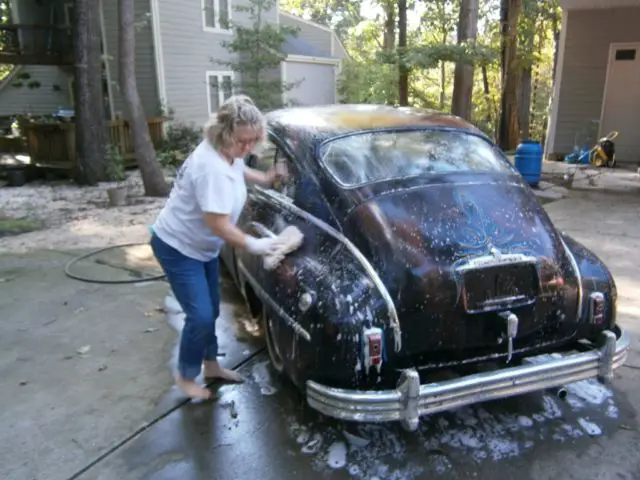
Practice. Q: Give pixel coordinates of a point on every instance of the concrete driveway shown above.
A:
(263, 429)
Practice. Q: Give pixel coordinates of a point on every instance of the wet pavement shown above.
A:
(257, 432)
(263, 428)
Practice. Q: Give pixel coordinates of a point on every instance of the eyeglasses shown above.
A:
(246, 141)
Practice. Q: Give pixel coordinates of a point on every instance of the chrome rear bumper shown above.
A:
(409, 400)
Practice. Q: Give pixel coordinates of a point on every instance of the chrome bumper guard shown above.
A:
(409, 400)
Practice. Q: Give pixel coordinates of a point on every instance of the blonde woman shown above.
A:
(199, 217)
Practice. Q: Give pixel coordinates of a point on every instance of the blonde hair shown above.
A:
(236, 111)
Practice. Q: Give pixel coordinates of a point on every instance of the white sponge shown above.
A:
(286, 242)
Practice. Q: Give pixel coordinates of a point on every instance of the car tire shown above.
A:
(277, 362)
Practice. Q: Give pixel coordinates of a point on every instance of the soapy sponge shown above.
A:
(286, 242)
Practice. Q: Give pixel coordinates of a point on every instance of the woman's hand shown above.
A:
(278, 172)
(222, 227)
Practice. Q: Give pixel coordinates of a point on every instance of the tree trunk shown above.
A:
(525, 101)
(490, 104)
(526, 78)
(390, 25)
(556, 45)
(509, 129)
(403, 72)
(463, 75)
(152, 177)
(443, 65)
(90, 126)
(504, 30)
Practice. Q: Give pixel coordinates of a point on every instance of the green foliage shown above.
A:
(180, 140)
(257, 52)
(5, 18)
(368, 82)
(429, 56)
(340, 15)
(364, 79)
(371, 76)
(115, 164)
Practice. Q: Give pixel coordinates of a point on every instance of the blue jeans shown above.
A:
(195, 285)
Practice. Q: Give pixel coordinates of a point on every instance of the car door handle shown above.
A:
(261, 229)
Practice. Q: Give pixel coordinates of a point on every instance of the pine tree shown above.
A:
(257, 53)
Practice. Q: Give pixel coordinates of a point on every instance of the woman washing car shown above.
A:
(200, 215)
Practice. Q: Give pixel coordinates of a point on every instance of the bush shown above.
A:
(179, 142)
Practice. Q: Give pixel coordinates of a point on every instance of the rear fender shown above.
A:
(328, 289)
(595, 277)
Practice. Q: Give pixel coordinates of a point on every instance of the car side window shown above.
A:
(266, 156)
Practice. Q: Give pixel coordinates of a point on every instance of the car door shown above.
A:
(265, 214)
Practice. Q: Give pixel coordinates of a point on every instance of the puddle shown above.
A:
(472, 435)
(261, 374)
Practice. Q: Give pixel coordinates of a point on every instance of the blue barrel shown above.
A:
(529, 161)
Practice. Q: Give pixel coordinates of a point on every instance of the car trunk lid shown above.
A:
(457, 257)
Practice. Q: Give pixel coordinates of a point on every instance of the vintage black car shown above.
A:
(429, 278)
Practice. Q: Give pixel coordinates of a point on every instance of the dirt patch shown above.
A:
(68, 216)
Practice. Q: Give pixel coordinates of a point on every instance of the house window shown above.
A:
(219, 88)
(216, 15)
(628, 54)
(69, 14)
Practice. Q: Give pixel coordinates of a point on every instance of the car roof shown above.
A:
(326, 121)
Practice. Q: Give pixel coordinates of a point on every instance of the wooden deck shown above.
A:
(53, 145)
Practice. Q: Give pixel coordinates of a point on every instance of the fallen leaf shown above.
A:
(83, 350)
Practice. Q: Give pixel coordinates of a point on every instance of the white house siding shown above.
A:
(189, 52)
(38, 101)
(588, 37)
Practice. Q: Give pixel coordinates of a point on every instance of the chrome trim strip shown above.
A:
(262, 294)
(261, 229)
(373, 275)
(409, 400)
(494, 260)
(574, 264)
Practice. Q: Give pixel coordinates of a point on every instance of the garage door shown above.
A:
(317, 83)
(622, 101)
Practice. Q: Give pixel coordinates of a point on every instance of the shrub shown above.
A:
(179, 141)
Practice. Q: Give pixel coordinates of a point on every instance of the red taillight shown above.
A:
(372, 347)
(596, 308)
(375, 349)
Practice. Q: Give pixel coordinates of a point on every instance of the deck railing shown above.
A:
(36, 45)
(54, 144)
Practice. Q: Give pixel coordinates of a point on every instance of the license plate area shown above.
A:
(498, 287)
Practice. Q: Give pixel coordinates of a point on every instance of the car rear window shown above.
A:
(373, 156)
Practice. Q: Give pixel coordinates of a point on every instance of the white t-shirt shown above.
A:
(205, 182)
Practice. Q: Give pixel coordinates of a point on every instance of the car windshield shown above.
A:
(373, 156)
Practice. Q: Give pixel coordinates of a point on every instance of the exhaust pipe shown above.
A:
(560, 392)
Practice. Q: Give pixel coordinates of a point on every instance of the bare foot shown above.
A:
(212, 369)
(192, 389)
